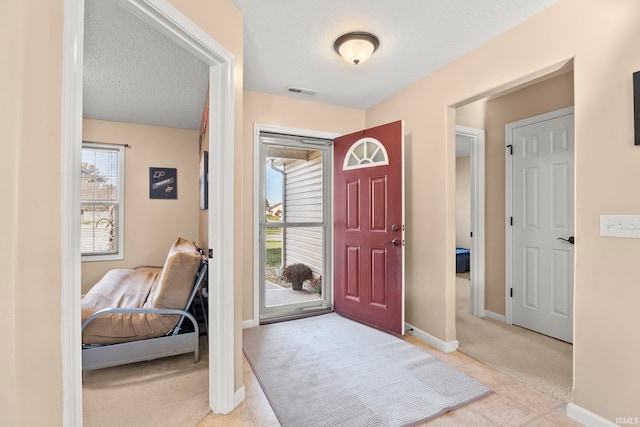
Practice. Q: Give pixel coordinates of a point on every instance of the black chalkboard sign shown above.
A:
(636, 105)
(163, 183)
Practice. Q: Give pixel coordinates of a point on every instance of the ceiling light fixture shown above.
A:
(356, 47)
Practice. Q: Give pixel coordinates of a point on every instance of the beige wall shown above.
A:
(11, 44)
(472, 114)
(463, 202)
(150, 226)
(30, 220)
(30, 290)
(601, 36)
(262, 108)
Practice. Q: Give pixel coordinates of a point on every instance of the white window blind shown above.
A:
(102, 202)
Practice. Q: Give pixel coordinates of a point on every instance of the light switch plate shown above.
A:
(620, 226)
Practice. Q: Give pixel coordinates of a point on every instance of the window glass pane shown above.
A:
(359, 151)
(378, 156)
(100, 194)
(98, 231)
(368, 149)
(99, 175)
(293, 184)
(291, 247)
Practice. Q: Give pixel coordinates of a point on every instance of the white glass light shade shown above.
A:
(356, 48)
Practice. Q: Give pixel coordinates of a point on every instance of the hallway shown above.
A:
(542, 362)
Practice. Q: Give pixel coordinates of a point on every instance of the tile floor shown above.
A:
(512, 404)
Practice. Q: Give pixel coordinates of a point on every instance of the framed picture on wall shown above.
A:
(636, 105)
(163, 183)
(204, 180)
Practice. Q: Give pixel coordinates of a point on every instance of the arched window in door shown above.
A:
(365, 153)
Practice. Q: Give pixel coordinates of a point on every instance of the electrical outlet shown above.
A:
(620, 226)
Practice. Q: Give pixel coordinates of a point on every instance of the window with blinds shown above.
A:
(102, 202)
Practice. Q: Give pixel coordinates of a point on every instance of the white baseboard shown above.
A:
(443, 346)
(248, 324)
(495, 316)
(239, 396)
(586, 417)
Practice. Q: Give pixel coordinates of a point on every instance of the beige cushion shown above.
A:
(168, 287)
(122, 288)
(175, 282)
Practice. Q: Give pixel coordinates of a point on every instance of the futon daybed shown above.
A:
(138, 314)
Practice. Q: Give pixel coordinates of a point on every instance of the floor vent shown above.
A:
(302, 91)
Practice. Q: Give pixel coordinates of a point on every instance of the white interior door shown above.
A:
(542, 223)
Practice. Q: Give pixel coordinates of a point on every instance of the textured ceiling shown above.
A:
(132, 73)
(290, 42)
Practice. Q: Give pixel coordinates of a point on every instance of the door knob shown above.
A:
(395, 227)
(395, 242)
(571, 240)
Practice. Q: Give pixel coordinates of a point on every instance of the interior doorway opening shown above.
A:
(545, 91)
(223, 396)
(470, 199)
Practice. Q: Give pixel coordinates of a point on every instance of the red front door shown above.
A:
(368, 227)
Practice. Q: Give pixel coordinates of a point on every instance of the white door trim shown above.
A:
(167, 19)
(258, 208)
(71, 152)
(509, 199)
(477, 217)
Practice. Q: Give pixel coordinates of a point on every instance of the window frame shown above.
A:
(119, 254)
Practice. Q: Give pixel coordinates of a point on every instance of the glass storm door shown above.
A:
(295, 229)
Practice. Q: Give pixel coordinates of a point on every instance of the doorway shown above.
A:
(470, 145)
(541, 93)
(370, 201)
(294, 228)
(169, 21)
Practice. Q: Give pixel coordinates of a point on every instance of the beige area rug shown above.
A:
(330, 371)
(172, 392)
(539, 361)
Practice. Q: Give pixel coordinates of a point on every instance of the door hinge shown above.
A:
(510, 147)
(511, 292)
(511, 221)
(211, 253)
(471, 234)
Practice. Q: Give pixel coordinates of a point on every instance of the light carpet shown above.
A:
(172, 392)
(542, 362)
(330, 371)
